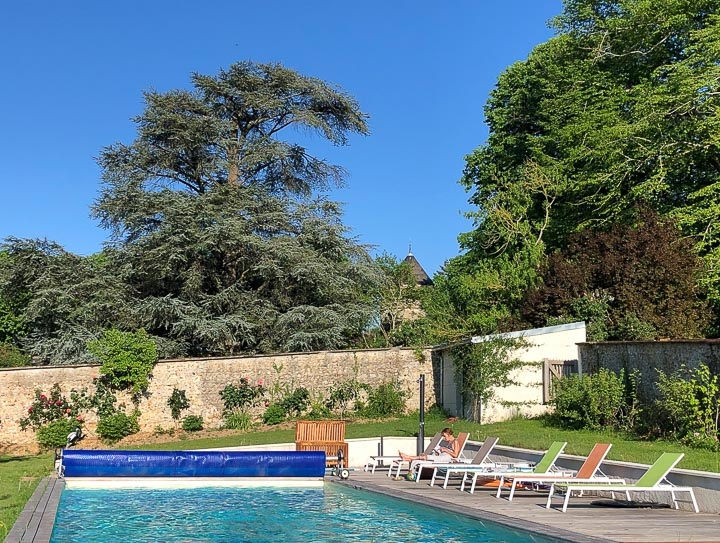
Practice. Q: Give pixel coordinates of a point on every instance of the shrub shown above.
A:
(192, 423)
(49, 407)
(113, 428)
(274, 414)
(437, 410)
(243, 396)
(343, 393)
(568, 400)
(688, 407)
(319, 410)
(103, 400)
(387, 400)
(54, 435)
(296, 403)
(11, 357)
(177, 402)
(591, 401)
(238, 421)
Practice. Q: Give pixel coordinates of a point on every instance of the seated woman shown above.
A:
(447, 453)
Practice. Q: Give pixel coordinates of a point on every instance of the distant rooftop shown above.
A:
(421, 277)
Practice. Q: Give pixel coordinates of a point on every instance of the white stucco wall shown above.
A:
(552, 342)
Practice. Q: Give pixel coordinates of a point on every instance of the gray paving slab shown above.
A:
(35, 522)
(584, 522)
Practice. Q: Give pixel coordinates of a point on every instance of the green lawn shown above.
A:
(15, 490)
(529, 434)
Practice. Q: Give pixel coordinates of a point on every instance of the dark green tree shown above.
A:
(226, 132)
(11, 304)
(62, 300)
(239, 271)
(221, 238)
(222, 232)
(12, 325)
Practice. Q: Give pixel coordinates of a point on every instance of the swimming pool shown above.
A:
(224, 515)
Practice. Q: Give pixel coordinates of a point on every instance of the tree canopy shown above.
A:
(631, 282)
(226, 131)
(222, 239)
(619, 108)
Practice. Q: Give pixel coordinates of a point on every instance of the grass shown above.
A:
(533, 434)
(16, 487)
(525, 433)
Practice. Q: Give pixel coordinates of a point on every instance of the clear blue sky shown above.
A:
(73, 74)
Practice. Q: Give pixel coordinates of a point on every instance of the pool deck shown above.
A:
(582, 523)
(35, 523)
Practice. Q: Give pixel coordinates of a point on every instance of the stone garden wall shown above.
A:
(202, 379)
(649, 357)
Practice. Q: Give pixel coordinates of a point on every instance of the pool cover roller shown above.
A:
(109, 463)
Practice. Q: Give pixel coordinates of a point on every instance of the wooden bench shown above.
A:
(322, 435)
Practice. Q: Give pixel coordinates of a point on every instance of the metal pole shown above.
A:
(421, 431)
(381, 447)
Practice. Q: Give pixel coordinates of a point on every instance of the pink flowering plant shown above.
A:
(52, 414)
(50, 407)
(54, 405)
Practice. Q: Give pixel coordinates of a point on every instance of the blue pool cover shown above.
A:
(108, 463)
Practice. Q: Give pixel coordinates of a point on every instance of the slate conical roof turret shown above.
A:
(421, 277)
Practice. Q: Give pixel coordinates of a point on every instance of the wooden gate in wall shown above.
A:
(553, 370)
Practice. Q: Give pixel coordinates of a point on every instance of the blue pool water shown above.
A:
(259, 515)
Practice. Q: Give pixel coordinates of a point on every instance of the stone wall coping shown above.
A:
(211, 358)
(652, 342)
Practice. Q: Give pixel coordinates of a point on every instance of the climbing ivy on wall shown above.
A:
(485, 366)
(127, 360)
